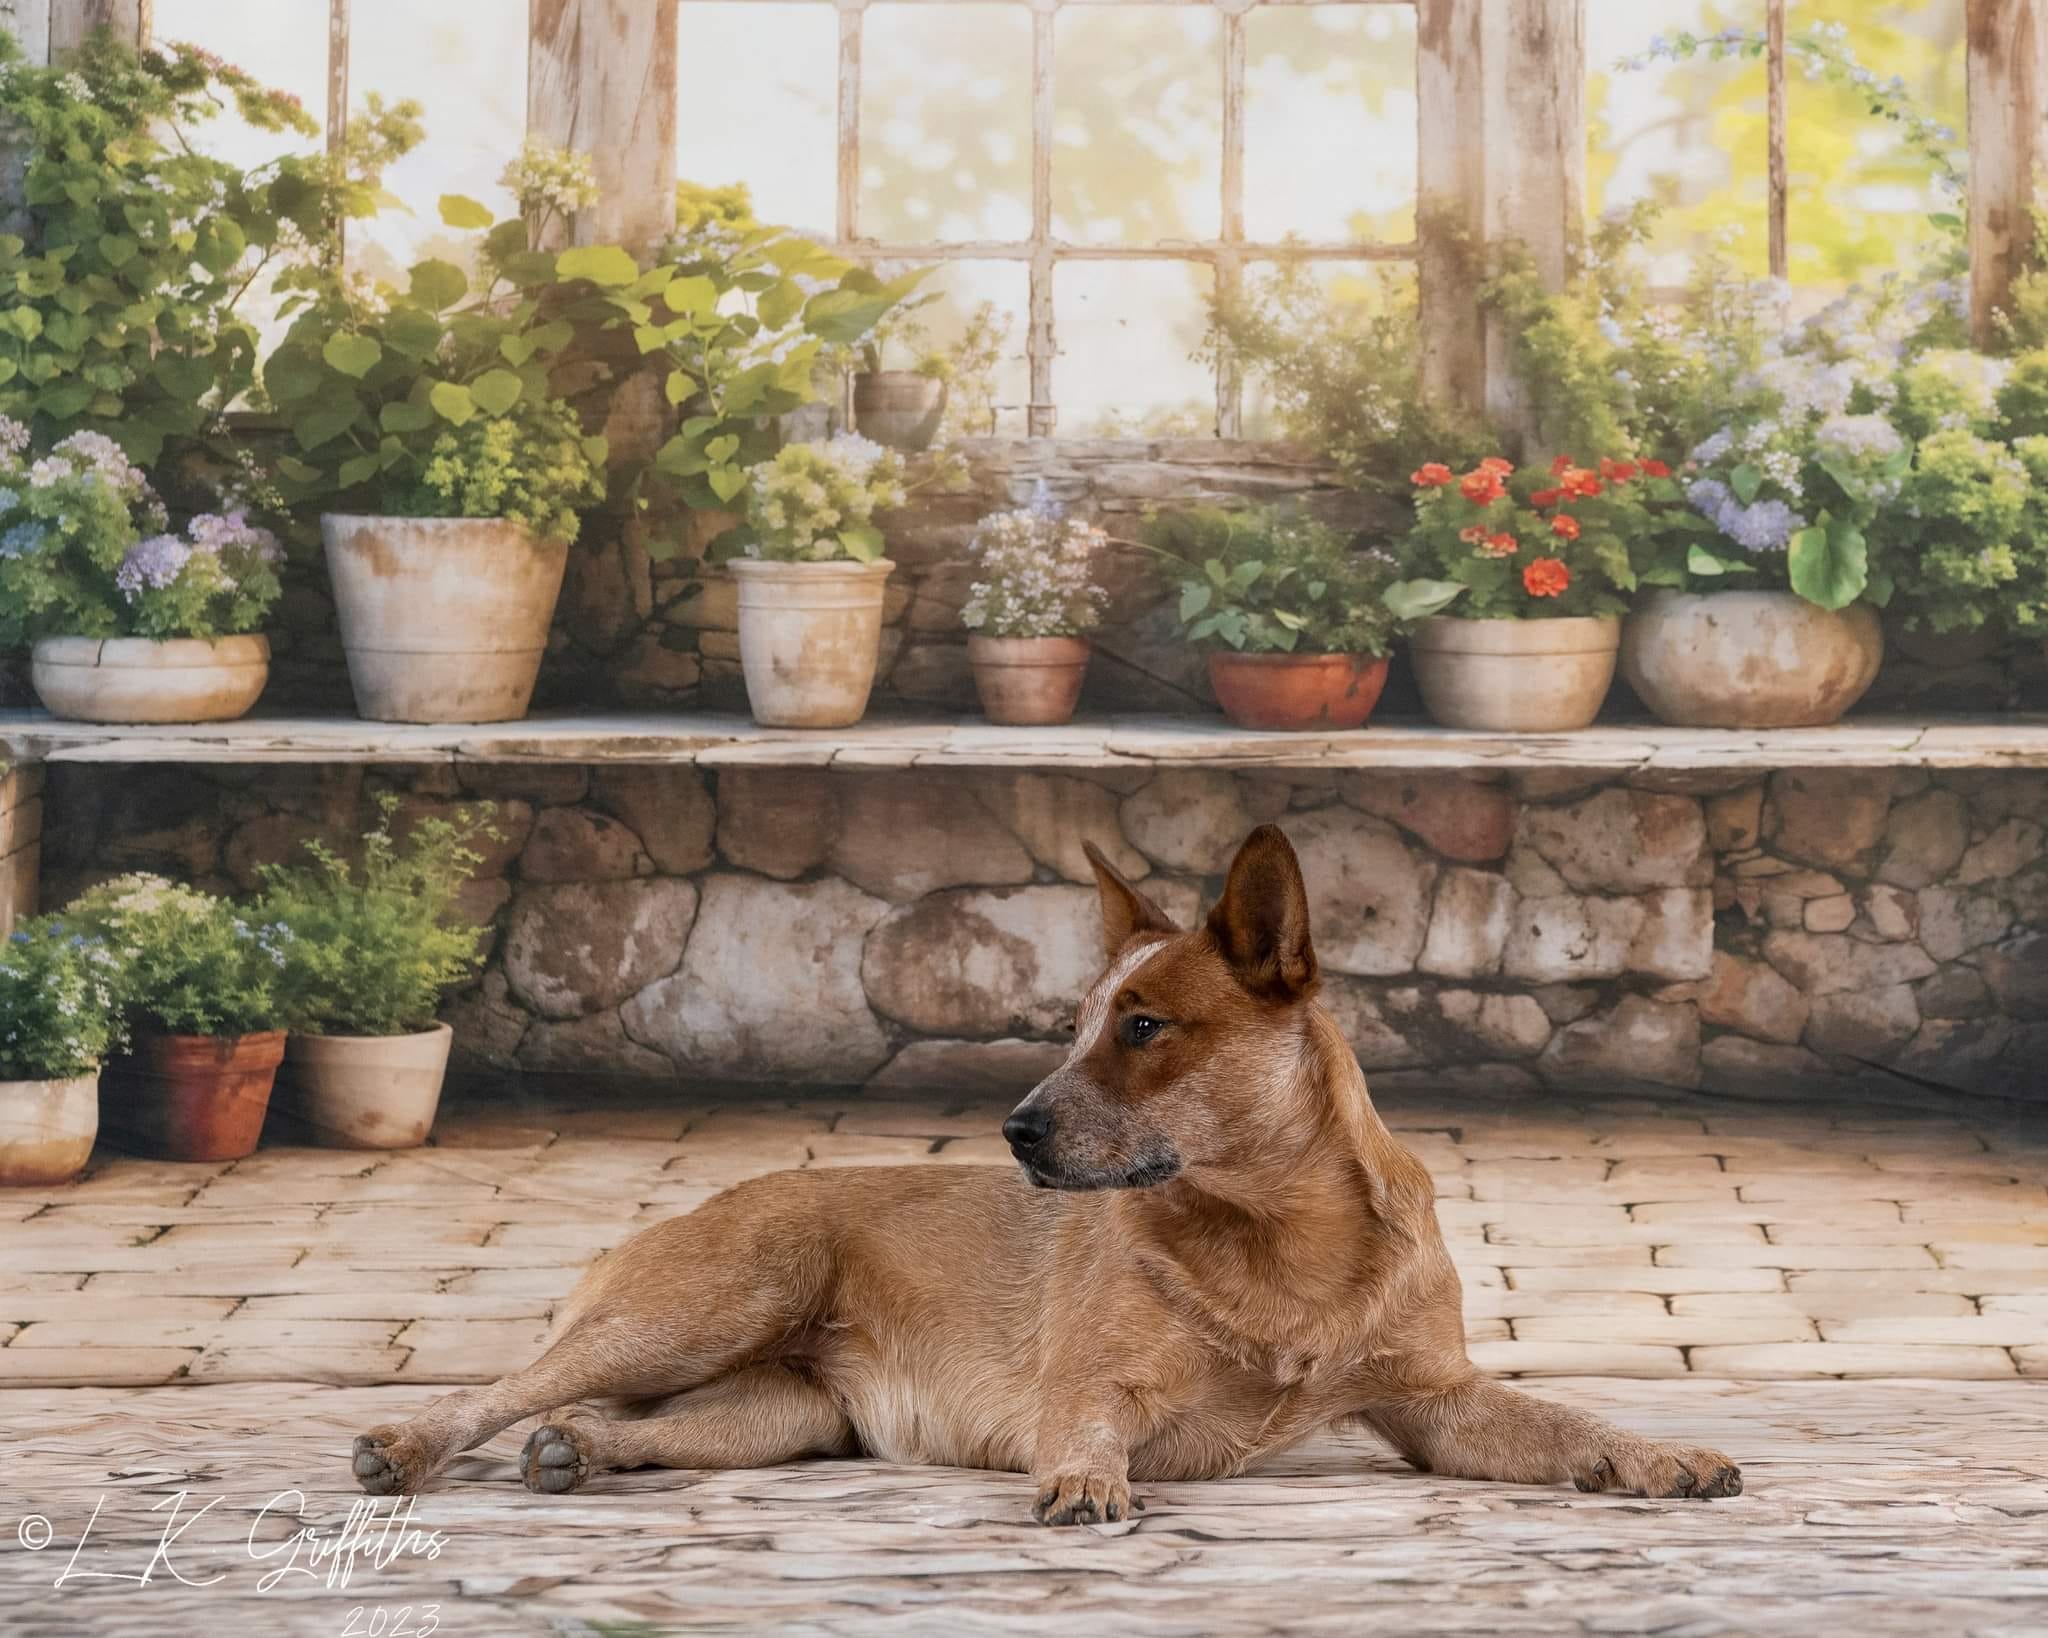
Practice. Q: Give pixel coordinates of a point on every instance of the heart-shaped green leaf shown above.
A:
(1419, 599)
(460, 211)
(726, 481)
(694, 293)
(496, 391)
(862, 543)
(515, 350)
(1745, 480)
(452, 402)
(360, 470)
(437, 284)
(606, 265)
(353, 355)
(722, 448)
(1829, 564)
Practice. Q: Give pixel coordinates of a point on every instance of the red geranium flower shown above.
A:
(1656, 469)
(1474, 535)
(1560, 466)
(1546, 577)
(1617, 471)
(1481, 488)
(1500, 545)
(1495, 464)
(1566, 525)
(1545, 497)
(1578, 483)
(1433, 475)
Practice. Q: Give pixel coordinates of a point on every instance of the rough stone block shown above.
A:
(1369, 892)
(1555, 940)
(581, 947)
(1753, 998)
(1195, 821)
(778, 821)
(1634, 1041)
(1468, 924)
(1455, 817)
(1863, 1024)
(1925, 839)
(1827, 817)
(576, 845)
(1620, 841)
(902, 835)
(986, 963)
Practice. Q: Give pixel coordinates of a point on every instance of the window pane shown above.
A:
(465, 62)
(945, 114)
(978, 324)
(767, 118)
(1329, 124)
(1125, 332)
(1356, 293)
(283, 43)
(1137, 124)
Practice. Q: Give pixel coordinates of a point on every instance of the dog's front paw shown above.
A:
(386, 1463)
(1094, 1497)
(556, 1460)
(1668, 1471)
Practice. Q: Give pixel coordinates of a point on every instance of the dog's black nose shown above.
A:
(1027, 1128)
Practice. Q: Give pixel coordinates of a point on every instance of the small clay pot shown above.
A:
(191, 1097)
(1292, 693)
(46, 1129)
(363, 1091)
(1028, 681)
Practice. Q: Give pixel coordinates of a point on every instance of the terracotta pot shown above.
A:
(442, 619)
(192, 1097)
(1028, 681)
(1750, 659)
(900, 408)
(1515, 676)
(363, 1091)
(46, 1129)
(810, 634)
(1293, 692)
(142, 679)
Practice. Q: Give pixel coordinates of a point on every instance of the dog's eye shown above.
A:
(1141, 1027)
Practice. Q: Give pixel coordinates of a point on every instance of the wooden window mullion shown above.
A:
(1040, 341)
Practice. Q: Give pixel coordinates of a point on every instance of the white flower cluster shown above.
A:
(1037, 574)
(546, 178)
(804, 500)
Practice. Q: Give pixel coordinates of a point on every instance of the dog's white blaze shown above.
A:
(1095, 1006)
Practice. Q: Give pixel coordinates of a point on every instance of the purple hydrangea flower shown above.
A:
(21, 539)
(153, 564)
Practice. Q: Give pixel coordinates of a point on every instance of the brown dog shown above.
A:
(1211, 1248)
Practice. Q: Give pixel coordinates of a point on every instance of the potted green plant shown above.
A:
(203, 990)
(371, 952)
(1523, 577)
(1026, 613)
(130, 622)
(59, 1018)
(901, 408)
(1294, 621)
(811, 576)
(448, 461)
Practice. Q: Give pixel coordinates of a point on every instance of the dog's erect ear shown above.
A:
(1261, 922)
(1125, 910)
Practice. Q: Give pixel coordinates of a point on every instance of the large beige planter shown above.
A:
(442, 619)
(142, 679)
(810, 634)
(1028, 682)
(1750, 659)
(47, 1129)
(1515, 676)
(363, 1091)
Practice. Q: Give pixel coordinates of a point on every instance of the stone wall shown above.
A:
(934, 929)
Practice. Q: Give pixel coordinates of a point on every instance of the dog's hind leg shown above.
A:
(753, 1418)
(1482, 1430)
(685, 1302)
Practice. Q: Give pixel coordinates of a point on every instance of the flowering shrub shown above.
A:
(550, 182)
(193, 964)
(1037, 573)
(1954, 543)
(59, 1002)
(533, 466)
(816, 502)
(371, 951)
(1497, 544)
(84, 551)
(1272, 580)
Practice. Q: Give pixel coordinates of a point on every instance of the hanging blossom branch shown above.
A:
(1824, 54)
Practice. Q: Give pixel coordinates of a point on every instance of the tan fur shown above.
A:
(1211, 1249)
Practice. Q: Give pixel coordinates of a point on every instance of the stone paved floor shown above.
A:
(233, 1323)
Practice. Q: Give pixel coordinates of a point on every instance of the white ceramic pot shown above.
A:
(1749, 659)
(47, 1129)
(364, 1091)
(142, 679)
(810, 634)
(1515, 676)
(442, 619)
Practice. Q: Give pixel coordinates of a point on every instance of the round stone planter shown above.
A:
(1515, 676)
(363, 1091)
(1028, 681)
(442, 619)
(192, 1097)
(142, 679)
(1750, 659)
(810, 634)
(900, 408)
(46, 1129)
(1292, 693)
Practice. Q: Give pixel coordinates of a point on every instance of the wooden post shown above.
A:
(601, 77)
(1774, 69)
(2008, 148)
(21, 842)
(1501, 89)
(73, 22)
(29, 22)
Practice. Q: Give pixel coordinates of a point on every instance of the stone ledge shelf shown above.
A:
(1137, 742)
